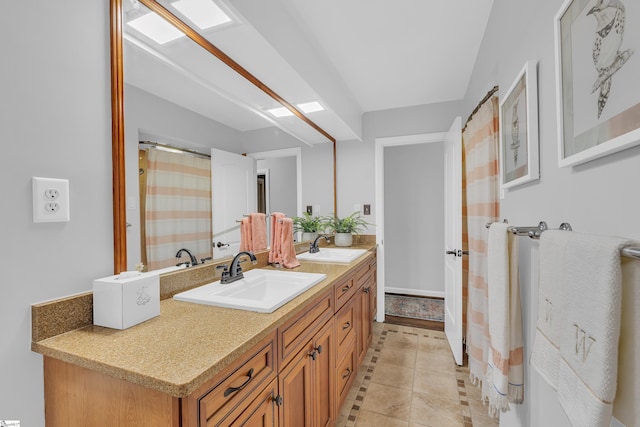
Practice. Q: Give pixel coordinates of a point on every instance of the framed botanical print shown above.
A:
(519, 161)
(597, 69)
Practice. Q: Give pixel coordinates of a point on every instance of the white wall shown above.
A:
(414, 218)
(599, 197)
(55, 121)
(356, 160)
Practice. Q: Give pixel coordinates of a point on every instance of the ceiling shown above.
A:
(354, 56)
(397, 53)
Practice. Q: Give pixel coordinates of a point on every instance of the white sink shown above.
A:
(333, 255)
(260, 290)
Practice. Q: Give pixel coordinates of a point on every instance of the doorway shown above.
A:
(410, 200)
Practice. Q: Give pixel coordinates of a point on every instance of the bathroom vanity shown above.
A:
(199, 365)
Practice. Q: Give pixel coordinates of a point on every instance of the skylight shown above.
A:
(280, 112)
(311, 107)
(204, 13)
(307, 107)
(156, 28)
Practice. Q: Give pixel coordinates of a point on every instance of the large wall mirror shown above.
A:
(182, 92)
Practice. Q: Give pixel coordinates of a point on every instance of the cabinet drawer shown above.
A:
(345, 372)
(298, 330)
(362, 276)
(345, 322)
(245, 376)
(344, 291)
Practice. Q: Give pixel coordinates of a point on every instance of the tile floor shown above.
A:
(409, 379)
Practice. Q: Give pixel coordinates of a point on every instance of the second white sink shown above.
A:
(333, 255)
(260, 290)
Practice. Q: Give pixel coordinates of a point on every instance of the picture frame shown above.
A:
(598, 103)
(519, 155)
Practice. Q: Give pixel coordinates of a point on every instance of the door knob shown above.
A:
(454, 253)
(220, 244)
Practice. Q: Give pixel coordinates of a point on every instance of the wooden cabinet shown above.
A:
(307, 383)
(219, 401)
(260, 412)
(296, 376)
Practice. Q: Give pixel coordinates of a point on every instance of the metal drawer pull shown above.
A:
(347, 374)
(319, 349)
(346, 326)
(230, 390)
(346, 288)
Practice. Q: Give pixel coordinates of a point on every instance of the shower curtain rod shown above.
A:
(172, 148)
(630, 251)
(482, 101)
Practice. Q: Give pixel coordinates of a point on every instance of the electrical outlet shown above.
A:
(50, 200)
(51, 207)
(367, 209)
(310, 209)
(51, 193)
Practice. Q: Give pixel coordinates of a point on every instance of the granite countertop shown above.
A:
(187, 344)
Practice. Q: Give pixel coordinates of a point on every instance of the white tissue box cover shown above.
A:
(126, 299)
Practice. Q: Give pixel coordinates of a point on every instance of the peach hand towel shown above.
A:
(258, 231)
(245, 235)
(287, 253)
(274, 245)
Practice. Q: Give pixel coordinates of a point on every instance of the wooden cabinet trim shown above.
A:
(298, 330)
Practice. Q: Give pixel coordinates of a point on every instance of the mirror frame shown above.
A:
(117, 116)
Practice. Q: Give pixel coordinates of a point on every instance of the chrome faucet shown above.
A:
(194, 260)
(313, 247)
(234, 272)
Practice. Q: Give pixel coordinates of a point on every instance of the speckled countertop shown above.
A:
(187, 344)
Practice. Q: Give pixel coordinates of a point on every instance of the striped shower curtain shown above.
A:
(177, 207)
(480, 206)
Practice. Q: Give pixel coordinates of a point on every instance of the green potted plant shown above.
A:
(345, 228)
(309, 225)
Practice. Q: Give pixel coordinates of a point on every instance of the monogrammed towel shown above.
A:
(589, 335)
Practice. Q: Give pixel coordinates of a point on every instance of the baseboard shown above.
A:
(416, 292)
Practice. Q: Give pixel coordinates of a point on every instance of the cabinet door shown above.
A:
(324, 376)
(295, 385)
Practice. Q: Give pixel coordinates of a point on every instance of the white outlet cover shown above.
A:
(47, 208)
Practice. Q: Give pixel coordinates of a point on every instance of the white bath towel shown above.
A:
(590, 334)
(504, 382)
(545, 356)
(584, 323)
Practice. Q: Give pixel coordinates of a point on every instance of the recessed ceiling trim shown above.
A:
(211, 48)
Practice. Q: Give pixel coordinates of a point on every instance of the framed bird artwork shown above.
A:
(597, 68)
(519, 156)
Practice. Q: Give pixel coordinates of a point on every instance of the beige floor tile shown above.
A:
(434, 411)
(402, 341)
(389, 401)
(437, 384)
(436, 362)
(429, 343)
(393, 375)
(398, 356)
(371, 419)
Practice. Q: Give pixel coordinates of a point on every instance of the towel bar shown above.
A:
(631, 251)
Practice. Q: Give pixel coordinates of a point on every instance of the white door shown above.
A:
(453, 239)
(233, 194)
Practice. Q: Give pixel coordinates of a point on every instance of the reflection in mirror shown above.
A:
(169, 98)
(175, 205)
